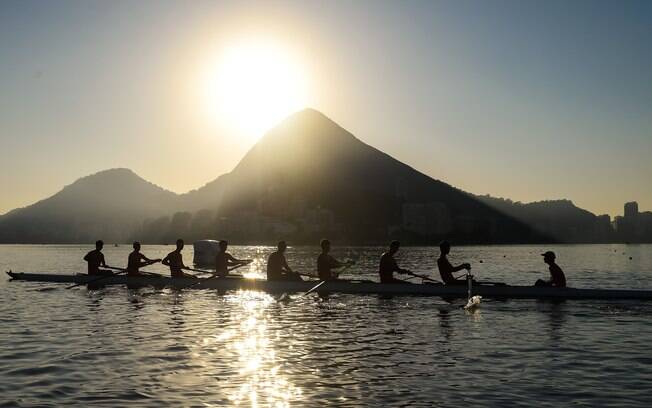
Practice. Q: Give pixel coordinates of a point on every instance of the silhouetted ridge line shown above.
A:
(306, 178)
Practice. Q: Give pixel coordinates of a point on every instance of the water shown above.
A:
(148, 347)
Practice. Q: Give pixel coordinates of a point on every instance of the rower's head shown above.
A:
(445, 247)
(394, 246)
(549, 257)
(282, 246)
(325, 245)
(99, 244)
(180, 244)
(223, 244)
(136, 246)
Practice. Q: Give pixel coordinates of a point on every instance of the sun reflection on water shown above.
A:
(253, 354)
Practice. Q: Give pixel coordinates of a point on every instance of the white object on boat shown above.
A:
(205, 252)
(473, 302)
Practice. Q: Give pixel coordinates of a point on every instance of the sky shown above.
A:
(528, 100)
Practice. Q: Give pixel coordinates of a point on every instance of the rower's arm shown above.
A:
(231, 261)
(286, 266)
(102, 261)
(166, 261)
(336, 264)
(461, 267)
(396, 268)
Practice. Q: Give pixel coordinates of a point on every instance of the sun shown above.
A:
(254, 85)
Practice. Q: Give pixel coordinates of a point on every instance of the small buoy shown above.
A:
(480, 260)
(630, 258)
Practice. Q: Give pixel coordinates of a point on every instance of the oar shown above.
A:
(472, 301)
(314, 288)
(344, 268)
(309, 275)
(196, 270)
(100, 278)
(422, 277)
(347, 266)
(217, 276)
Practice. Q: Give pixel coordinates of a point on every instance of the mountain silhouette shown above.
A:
(108, 204)
(309, 162)
(305, 179)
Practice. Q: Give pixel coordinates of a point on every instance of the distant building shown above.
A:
(631, 209)
(603, 228)
(635, 226)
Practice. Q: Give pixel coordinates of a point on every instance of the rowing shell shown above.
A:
(509, 292)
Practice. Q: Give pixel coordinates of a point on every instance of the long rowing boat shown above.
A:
(227, 284)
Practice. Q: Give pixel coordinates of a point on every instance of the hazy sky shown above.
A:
(520, 99)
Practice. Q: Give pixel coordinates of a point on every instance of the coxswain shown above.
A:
(557, 277)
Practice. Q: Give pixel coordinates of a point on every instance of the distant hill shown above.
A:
(559, 219)
(305, 179)
(110, 204)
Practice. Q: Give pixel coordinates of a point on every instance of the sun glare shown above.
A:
(256, 85)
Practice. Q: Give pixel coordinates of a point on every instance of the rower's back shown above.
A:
(558, 279)
(133, 262)
(175, 262)
(387, 267)
(445, 269)
(94, 259)
(275, 264)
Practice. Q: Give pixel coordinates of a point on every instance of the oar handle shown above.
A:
(307, 275)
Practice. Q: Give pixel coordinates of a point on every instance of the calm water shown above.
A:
(156, 348)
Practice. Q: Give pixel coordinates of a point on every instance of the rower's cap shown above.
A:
(548, 254)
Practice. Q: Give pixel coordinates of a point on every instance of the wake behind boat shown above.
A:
(347, 287)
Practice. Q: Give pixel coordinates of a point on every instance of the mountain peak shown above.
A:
(307, 114)
(308, 121)
(109, 176)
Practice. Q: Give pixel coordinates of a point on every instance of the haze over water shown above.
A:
(155, 348)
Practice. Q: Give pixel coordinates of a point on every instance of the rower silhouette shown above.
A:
(137, 260)
(388, 265)
(326, 263)
(175, 261)
(446, 270)
(277, 266)
(224, 260)
(95, 259)
(557, 277)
